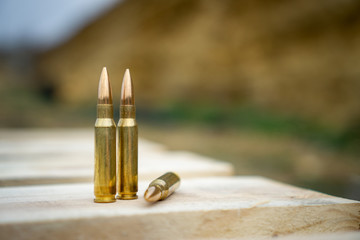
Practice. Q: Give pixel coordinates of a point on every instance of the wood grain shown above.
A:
(43, 156)
(214, 207)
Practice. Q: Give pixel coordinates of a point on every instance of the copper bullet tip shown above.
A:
(104, 91)
(127, 90)
(152, 194)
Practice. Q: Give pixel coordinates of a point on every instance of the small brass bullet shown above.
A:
(162, 187)
(127, 129)
(105, 144)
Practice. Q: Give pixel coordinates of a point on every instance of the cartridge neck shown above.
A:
(127, 111)
(105, 111)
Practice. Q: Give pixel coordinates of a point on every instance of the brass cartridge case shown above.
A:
(105, 155)
(162, 187)
(127, 175)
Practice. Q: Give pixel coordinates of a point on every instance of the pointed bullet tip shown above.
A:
(104, 91)
(104, 73)
(127, 90)
(152, 194)
(127, 76)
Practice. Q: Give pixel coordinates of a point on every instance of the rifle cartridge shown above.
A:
(162, 187)
(105, 144)
(127, 129)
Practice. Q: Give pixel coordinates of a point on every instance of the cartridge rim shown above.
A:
(127, 196)
(105, 199)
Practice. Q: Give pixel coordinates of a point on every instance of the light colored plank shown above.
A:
(325, 236)
(216, 207)
(67, 155)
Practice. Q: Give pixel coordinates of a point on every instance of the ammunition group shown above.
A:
(116, 169)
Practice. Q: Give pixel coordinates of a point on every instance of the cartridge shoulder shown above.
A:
(127, 122)
(105, 122)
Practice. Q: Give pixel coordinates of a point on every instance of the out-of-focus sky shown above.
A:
(43, 24)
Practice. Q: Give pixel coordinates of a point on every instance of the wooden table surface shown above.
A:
(210, 203)
(67, 155)
(215, 207)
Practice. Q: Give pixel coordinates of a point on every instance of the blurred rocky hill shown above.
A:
(297, 57)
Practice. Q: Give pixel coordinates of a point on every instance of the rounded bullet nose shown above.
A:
(152, 194)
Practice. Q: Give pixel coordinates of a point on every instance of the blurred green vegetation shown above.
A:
(22, 107)
(258, 120)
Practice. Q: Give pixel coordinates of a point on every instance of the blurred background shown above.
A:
(271, 86)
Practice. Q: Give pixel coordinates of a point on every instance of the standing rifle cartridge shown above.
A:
(127, 175)
(105, 144)
(162, 187)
